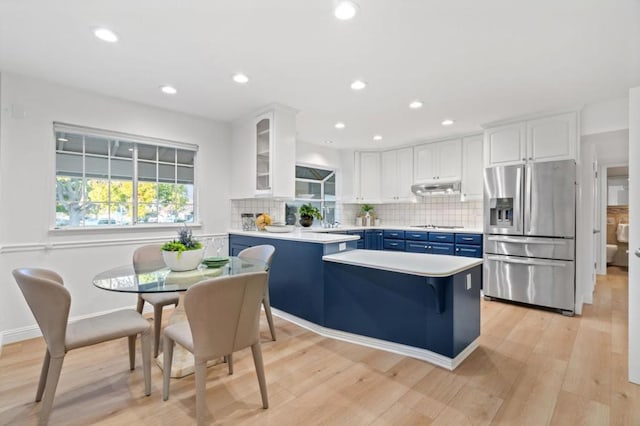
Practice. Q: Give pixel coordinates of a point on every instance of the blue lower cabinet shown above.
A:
(474, 239)
(441, 248)
(296, 276)
(373, 239)
(416, 247)
(396, 235)
(416, 235)
(468, 251)
(391, 244)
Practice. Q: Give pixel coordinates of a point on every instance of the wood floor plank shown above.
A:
(532, 367)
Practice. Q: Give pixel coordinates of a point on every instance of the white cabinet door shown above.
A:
(389, 181)
(397, 175)
(505, 145)
(437, 161)
(449, 160)
(263, 139)
(370, 177)
(404, 177)
(424, 163)
(552, 138)
(472, 168)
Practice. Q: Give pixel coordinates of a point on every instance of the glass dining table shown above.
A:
(151, 279)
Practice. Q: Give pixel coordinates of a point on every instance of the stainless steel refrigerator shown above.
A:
(529, 232)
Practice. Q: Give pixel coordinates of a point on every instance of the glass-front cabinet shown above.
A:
(264, 152)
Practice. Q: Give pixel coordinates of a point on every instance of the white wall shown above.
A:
(27, 169)
(634, 237)
(605, 116)
(317, 155)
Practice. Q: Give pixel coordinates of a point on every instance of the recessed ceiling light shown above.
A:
(169, 90)
(358, 85)
(105, 34)
(63, 140)
(447, 122)
(377, 138)
(240, 78)
(339, 125)
(328, 142)
(415, 104)
(345, 10)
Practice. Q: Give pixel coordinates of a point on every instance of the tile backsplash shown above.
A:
(435, 210)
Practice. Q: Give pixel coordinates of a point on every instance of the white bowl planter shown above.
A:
(183, 261)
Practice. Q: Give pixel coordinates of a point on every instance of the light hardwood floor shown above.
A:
(532, 368)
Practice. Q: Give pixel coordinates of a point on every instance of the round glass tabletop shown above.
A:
(128, 280)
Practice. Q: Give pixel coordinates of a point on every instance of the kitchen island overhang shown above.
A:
(419, 305)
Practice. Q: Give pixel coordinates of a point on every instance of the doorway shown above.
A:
(614, 220)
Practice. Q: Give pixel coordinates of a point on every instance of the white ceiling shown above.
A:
(473, 61)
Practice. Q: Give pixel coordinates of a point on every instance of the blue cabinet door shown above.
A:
(416, 247)
(393, 234)
(468, 250)
(391, 244)
(441, 237)
(474, 239)
(416, 236)
(373, 239)
(441, 248)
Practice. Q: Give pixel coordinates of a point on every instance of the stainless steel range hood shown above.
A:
(440, 188)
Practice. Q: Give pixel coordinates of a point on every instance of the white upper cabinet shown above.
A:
(438, 161)
(472, 168)
(264, 154)
(397, 175)
(368, 180)
(505, 145)
(552, 138)
(545, 139)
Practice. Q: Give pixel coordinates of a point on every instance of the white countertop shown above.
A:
(428, 265)
(298, 235)
(397, 227)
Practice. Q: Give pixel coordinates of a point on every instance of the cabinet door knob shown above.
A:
(524, 159)
(530, 158)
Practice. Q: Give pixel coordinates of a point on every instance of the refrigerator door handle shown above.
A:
(530, 241)
(528, 199)
(528, 262)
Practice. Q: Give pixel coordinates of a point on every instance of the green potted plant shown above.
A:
(183, 254)
(307, 214)
(367, 209)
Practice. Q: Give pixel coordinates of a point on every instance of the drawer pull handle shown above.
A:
(467, 239)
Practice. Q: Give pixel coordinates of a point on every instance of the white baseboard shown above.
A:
(33, 331)
(398, 348)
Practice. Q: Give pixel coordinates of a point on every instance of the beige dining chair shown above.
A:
(50, 302)
(148, 258)
(265, 254)
(223, 316)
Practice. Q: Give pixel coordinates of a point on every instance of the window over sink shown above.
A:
(106, 178)
(316, 186)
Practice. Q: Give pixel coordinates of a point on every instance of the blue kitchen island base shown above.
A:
(439, 314)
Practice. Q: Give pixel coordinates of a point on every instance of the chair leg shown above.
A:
(229, 360)
(157, 327)
(166, 369)
(43, 376)
(140, 305)
(267, 312)
(132, 352)
(257, 360)
(201, 391)
(145, 348)
(53, 375)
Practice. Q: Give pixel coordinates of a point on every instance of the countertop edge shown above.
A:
(339, 258)
(303, 237)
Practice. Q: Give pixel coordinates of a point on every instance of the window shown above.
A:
(317, 187)
(105, 179)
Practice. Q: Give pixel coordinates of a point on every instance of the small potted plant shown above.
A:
(367, 209)
(307, 214)
(183, 254)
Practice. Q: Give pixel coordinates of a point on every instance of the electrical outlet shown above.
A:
(342, 246)
(468, 281)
